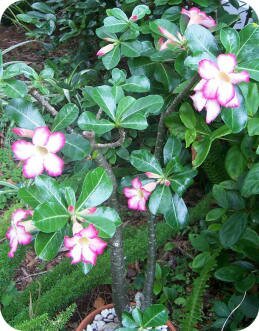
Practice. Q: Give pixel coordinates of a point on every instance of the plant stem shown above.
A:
(118, 269)
(151, 260)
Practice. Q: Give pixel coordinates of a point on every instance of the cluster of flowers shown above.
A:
(37, 156)
(138, 194)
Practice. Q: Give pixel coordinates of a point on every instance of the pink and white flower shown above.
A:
(199, 17)
(138, 194)
(178, 40)
(216, 87)
(23, 132)
(85, 245)
(17, 233)
(40, 155)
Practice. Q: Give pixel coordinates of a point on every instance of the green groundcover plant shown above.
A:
(180, 79)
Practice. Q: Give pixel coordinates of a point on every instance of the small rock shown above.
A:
(110, 326)
(98, 317)
(89, 328)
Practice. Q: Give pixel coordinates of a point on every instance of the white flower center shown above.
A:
(42, 151)
(225, 77)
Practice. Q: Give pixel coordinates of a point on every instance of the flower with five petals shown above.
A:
(40, 155)
(199, 17)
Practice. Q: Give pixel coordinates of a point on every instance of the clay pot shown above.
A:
(90, 317)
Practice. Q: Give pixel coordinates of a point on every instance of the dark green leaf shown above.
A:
(88, 121)
(172, 149)
(50, 217)
(13, 88)
(230, 273)
(155, 315)
(251, 182)
(24, 114)
(138, 84)
(232, 230)
(66, 116)
(111, 59)
(177, 214)
(105, 99)
(76, 147)
(47, 245)
(160, 200)
(97, 187)
(144, 161)
(235, 163)
(230, 40)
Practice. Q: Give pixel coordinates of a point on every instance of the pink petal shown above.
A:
(41, 136)
(152, 175)
(150, 187)
(185, 12)
(89, 232)
(199, 101)
(134, 18)
(194, 11)
(133, 203)
(226, 92)
(136, 183)
(92, 210)
(88, 256)
(129, 192)
(200, 85)
(97, 245)
(22, 149)
(147, 193)
(164, 45)
(20, 214)
(213, 109)
(56, 142)
(33, 167)
(75, 254)
(167, 34)
(210, 89)
(53, 164)
(142, 205)
(23, 237)
(23, 132)
(238, 77)
(234, 103)
(69, 242)
(208, 22)
(208, 69)
(226, 62)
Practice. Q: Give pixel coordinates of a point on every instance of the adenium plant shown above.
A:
(176, 66)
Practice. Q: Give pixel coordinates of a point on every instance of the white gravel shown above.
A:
(108, 321)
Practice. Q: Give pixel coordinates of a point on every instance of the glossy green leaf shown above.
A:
(140, 11)
(250, 93)
(187, 115)
(251, 182)
(111, 59)
(76, 147)
(201, 40)
(131, 48)
(47, 245)
(105, 220)
(177, 214)
(249, 43)
(150, 104)
(228, 199)
(155, 315)
(169, 26)
(97, 187)
(13, 88)
(47, 188)
(50, 217)
(235, 162)
(87, 121)
(117, 13)
(232, 230)
(230, 39)
(166, 75)
(215, 214)
(144, 161)
(135, 122)
(182, 180)
(31, 195)
(114, 25)
(24, 114)
(172, 148)
(124, 104)
(253, 127)
(201, 149)
(70, 196)
(138, 84)
(235, 118)
(229, 273)
(160, 200)
(105, 99)
(66, 116)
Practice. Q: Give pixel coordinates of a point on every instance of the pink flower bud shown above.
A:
(71, 209)
(23, 132)
(104, 50)
(134, 18)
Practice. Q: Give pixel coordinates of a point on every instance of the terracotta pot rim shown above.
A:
(90, 317)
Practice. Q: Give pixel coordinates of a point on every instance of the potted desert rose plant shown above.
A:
(172, 65)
